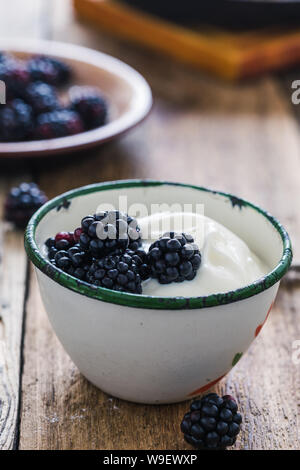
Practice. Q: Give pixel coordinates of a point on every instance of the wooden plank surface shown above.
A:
(243, 139)
(30, 22)
(61, 410)
(13, 267)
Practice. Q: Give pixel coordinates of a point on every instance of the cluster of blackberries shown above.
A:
(22, 202)
(117, 272)
(105, 251)
(213, 422)
(65, 252)
(109, 231)
(34, 109)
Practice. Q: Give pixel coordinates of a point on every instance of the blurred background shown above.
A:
(220, 117)
(222, 84)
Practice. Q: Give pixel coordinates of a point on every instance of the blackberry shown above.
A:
(135, 238)
(66, 254)
(42, 97)
(61, 241)
(90, 105)
(77, 233)
(212, 422)
(117, 272)
(49, 70)
(22, 202)
(16, 121)
(72, 260)
(15, 76)
(108, 231)
(140, 258)
(143, 266)
(174, 258)
(58, 123)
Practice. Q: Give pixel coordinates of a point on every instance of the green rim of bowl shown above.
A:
(146, 301)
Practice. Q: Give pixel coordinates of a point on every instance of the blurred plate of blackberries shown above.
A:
(61, 98)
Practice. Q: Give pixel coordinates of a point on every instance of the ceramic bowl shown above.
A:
(150, 349)
(127, 93)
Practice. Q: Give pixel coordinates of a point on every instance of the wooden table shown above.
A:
(239, 138)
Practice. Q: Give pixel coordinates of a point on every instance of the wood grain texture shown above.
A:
(31, 22)
(242, 139)
(13, 263)
(61, 410)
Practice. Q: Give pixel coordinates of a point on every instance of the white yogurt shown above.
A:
(227, 262)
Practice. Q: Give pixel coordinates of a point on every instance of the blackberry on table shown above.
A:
(213, 422)
(22, 202)
(42, 97)
(16, 121)
(174, 258)
(117, 272)
(59, 123)
(106, 232)
(90, 105)
(49, 70)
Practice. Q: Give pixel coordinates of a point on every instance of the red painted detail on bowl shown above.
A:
(258, 329)
(205, 387)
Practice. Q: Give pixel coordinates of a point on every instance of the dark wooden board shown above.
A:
(227, 53)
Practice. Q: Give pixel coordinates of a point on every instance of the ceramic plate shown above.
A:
(127, 92)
